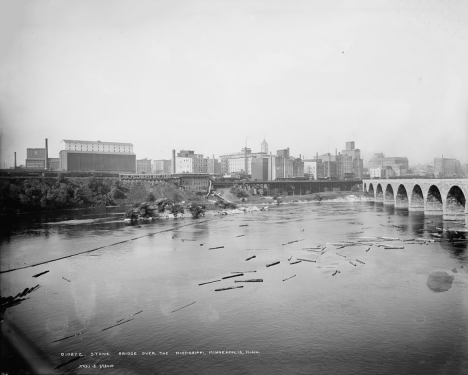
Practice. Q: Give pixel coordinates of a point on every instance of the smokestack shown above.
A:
(173, 162)
(15, 159)
(46, 155)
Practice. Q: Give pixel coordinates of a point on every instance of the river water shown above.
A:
(139, 302)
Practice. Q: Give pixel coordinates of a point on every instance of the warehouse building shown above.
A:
(97, 156)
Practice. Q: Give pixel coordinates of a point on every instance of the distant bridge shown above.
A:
(293, 187)
(445, 197)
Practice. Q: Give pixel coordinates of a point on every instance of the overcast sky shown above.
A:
(205, 75)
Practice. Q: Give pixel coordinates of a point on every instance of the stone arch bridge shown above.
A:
(445, 197)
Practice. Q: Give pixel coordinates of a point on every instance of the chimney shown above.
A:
(46, 155)
(15, 159)
(173, 162)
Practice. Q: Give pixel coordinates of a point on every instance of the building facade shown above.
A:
(161, 167)
(354, 165)
(239, 162)
(144, 166)
(446, 167)
(97, 156)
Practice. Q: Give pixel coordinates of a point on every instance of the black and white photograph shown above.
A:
(238, 187)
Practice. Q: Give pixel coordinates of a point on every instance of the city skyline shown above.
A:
(211, 76)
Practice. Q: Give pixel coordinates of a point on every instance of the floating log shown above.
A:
(185, 239)
(68, 337)
(66, 279)
(367, 249)
(115, 325)
(289, 277)
(353, 264)
(436, 235)
(360, 261)
(228, 277)
(242, 235)
(209, 282)
(341, 255)
(334, 273)
(272, 264)
(213, 248)
(39, 274)
(249, 281)
(244, 225)
(232, 287)
(394, 247)
(290, 242)
(390, 238)
(290, 258)
(298, 261)
(311, 248)
(307, 260)
(183, 307)
(253, 256)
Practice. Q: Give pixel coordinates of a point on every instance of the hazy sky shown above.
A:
(204, 75)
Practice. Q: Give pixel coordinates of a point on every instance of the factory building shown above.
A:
(97, 156)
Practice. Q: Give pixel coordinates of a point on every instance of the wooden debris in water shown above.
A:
(66, 279)
(242, 235)
(334, 273)
(367, 249)
(209, 282)
(213, 248)
(298, 261)
(341, 255)
(183, 307)
(290, 258)
(353, 264)
(290, 242)
(232, 287)
(68, 337)
(289, 277)
(249, 281)
(394, 247)
(307, 260)
(390, 238)
(244, 225)
(40, 274)
(228, 277)
(253, 256)
(273, 264)
(115, 325)
(360, 261)
(311, 248)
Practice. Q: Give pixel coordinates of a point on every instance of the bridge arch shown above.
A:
(379, 196)
(417, 199)
(434, 203)
(389, 195)
(455, 204)
(401, 198)
(371, 189)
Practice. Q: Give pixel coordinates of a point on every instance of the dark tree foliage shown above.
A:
(197, 210)
(49, 194)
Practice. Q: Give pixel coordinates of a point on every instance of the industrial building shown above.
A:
(144, 166)
(97, 156)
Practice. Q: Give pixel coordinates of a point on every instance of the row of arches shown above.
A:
(416, 198)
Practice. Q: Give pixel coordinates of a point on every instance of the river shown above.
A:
(136, 307)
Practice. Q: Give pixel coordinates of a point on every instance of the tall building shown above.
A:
(263, 168)
(354, 165)
(97, 156)
(144, 166)
(264, 147)
(399, 165)
(187, 161)
(314, 169)
(161, 167)
(236, 162)
(446, 167)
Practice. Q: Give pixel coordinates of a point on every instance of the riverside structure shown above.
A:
(445, 197)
